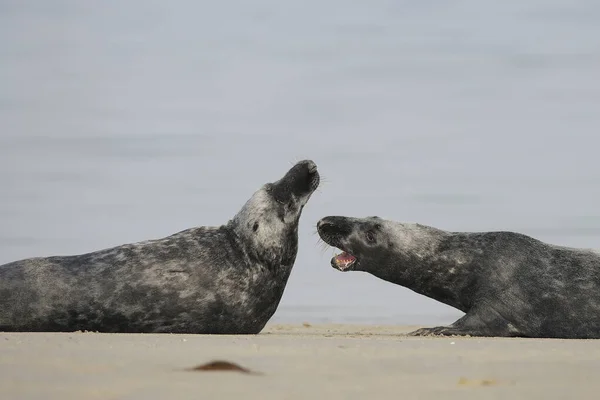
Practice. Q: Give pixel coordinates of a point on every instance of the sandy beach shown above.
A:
(295, 362)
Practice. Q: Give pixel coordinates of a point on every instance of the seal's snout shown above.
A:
(321, 223)
(334, 231)
(327, 231)
(306, 176)
(334, 226)
(325, 227)
(297, 185)
(311, 167)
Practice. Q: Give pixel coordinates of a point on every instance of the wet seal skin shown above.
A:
(227, 279)
(507, 284)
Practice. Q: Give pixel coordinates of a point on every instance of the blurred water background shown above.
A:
(122, 121)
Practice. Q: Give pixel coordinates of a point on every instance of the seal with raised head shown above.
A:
(506, 283)
(210, 280)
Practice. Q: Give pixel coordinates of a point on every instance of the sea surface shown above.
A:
(122, 121)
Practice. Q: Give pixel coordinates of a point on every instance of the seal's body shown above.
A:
(508, 284)
(221, 280)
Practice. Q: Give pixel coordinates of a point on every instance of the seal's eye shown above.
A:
(370, 237)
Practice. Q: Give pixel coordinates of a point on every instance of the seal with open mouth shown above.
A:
(226, 279)
(506, 283)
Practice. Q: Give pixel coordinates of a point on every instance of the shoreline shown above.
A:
(295, 361)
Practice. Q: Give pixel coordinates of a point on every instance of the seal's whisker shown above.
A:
(323, 179)
(321, 243)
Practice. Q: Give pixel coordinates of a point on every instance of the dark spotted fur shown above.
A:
(508, 284)
(220, 280)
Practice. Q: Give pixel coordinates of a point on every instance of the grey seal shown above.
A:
(225, 279)
(508, 284)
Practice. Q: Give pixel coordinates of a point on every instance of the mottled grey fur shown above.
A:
(221, 280)
(507, 283)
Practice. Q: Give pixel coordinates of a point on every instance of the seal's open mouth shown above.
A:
(335, 234)
(343, 261)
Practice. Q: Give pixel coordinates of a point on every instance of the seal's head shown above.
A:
(268, 222)
(373, 244)
(293, 190)
(356, 238)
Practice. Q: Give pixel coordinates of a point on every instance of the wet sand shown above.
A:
(296, 362)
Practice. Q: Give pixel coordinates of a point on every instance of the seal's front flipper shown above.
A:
(440, 331)
(472, 324)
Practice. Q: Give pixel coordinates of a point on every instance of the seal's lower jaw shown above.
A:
(312, 177)
(343, 262)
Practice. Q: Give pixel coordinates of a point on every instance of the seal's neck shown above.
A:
(272, 247)
(446, 273)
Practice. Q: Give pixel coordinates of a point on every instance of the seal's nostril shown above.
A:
(310, 166)
(322, 224)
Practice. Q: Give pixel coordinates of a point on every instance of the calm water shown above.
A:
(128, 120)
